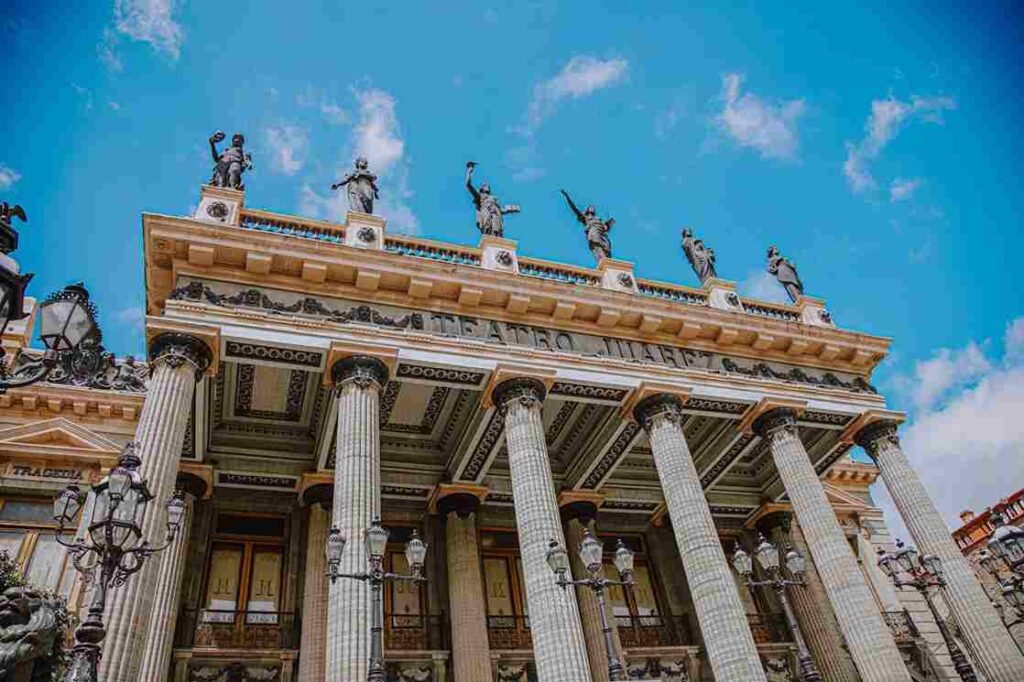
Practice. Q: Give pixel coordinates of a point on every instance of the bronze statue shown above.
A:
(596, 229)
(785, 271)
(29, 628)
(490, 214)
(361, 187)
(8, 235)
(231, 163)
(702, 259)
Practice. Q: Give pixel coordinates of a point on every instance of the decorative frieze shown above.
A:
(484, 447)
(587, 392)
(618, 448)
(277, 354)
(726, 460)
(460, 377)
(251, 480)
(294, 398)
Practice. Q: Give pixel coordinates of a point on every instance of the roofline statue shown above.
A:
(595, 228)
(785, 271)
(490, 214)
(361, 186)
(701, 258)
(230, 163)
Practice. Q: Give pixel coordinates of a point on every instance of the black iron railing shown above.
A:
(650, 631)
(509, 632)
(216, 629)
(769, 628)
(415, 633)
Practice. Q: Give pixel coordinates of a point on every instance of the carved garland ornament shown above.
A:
(656, 408)
(177, 349)
(361, 370)
(522, 390)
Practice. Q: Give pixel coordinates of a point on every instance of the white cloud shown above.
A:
(333, 113)
(148, 21)
(883, 125)
(753, 122)
(761, 285)
(377, 136)
(667, 120)
(289, 147)
(967, 448)
(8, 176)
(946, 371)
(902, 189)
(581, 76)
(130, 316)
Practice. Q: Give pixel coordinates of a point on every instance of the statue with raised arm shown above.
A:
(785, 271)
(490, 214)
(596, 229)
(8, 235)
(361, 185)
(230, 163)
(702, 259)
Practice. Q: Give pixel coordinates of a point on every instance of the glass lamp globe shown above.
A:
(67, 318)
(906, 556)
(623, 560)
(335, 546)
(988, 562)
(415, 552)
(742, 562)
(932, 565)
(591, 552)
(376, 539)
(175, 511)
(1014, 597)
(1009, 540)
(557, 558)
(887, 562)
(796, 564)
(767, 554)
(66, 506)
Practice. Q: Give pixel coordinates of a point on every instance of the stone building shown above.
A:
(305, 375)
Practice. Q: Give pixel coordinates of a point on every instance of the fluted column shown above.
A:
(178, 361)
(559, 649)
(817, 622)
(868, 637)
(471, 650)
(156, 648)
(356, 503)
(987, 639)
(313, 643)
(730, 646)
(579, 516)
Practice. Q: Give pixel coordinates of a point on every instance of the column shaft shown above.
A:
(730, 646)
(590, 610)
(559, 649)
(988, 641)
(471, 652)
(156, 650)
(313, 643)
(868, 637)
(356, 504)
(817, 622)
(178, 359)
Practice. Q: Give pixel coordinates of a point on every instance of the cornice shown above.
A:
(176, 246)
(60, 399)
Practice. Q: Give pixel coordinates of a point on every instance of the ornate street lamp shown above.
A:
(768, 557)
(376, 539)
(1010, 589)
(1007, 543)
(591, 553)
(925, 572)
(111, 549)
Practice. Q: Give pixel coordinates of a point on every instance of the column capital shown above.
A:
(178, 348)
(527, 391)
(871, 436)
(660, 405)
(579, 504)
(195, 479)
(462, 498)
(775, 420)
(362, 370)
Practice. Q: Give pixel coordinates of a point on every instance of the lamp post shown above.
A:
(1003, 558)
(925, 572)
(376, 538)
(591, 553)
(112, 548)
(768, 557)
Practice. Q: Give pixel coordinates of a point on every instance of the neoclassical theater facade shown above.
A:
(304, 375)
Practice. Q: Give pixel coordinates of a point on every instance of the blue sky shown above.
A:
(878, 145)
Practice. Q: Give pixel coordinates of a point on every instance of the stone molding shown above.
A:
(361, 370)
(178, 348)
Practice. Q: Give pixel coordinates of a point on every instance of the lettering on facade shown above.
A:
(32, 471)
(503, 333)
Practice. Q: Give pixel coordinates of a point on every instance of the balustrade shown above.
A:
(215, 629)
(653, 631)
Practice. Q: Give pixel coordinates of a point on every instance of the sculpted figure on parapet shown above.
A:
(490, 214)
(702, 259)
(596, 228)
(229, 163)
(785, 271)
(361, 185)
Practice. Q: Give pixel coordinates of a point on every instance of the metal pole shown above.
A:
(376, 672)
(615, 668)
(960, 662)
(808, 670)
